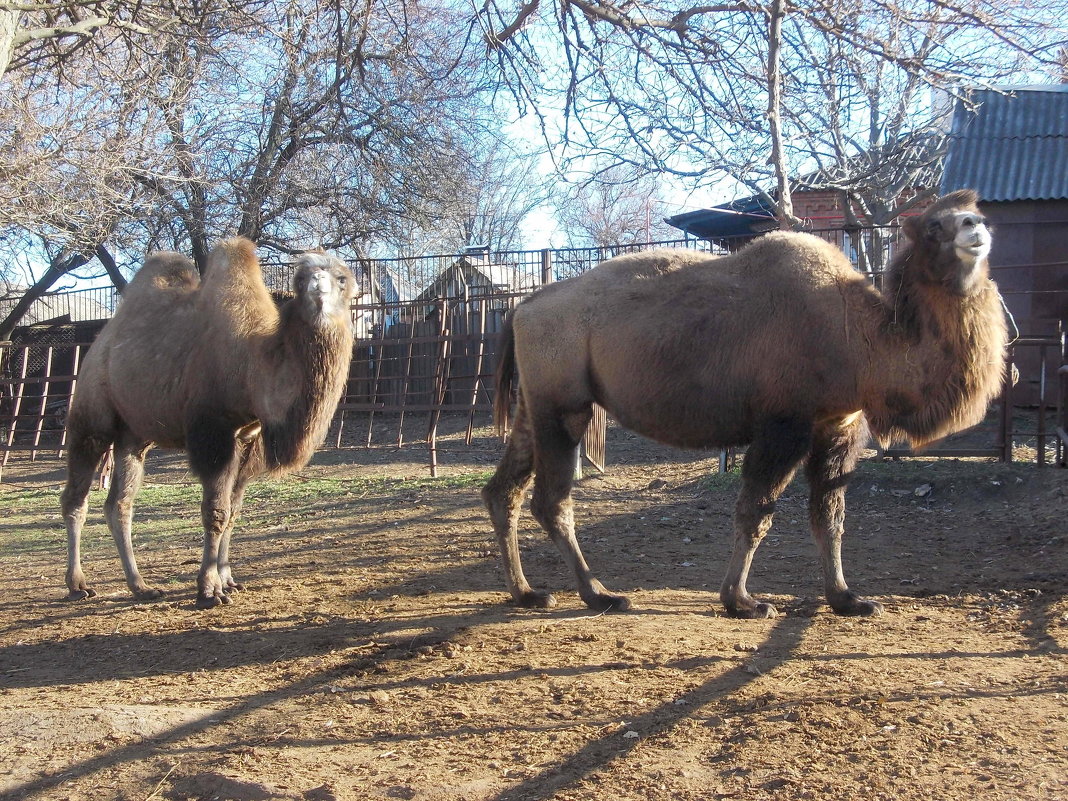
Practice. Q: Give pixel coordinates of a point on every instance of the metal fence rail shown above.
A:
(427, 347)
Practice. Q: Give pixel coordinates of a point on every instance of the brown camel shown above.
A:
(216, 368)
(783, 347)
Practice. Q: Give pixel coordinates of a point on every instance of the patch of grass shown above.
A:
(722, 481)
(33, 523)
(299, 488)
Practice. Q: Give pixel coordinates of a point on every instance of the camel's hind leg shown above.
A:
(769, 464)
(503, 497)
(83, 456)
(834, 456)
(555, 452)
(129, 471)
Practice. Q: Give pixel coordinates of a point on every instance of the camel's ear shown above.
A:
(959, 200)
(912, 228)
(962, 198)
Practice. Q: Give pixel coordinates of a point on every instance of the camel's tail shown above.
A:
(505, 379)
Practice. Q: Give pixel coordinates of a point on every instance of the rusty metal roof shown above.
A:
(1010, 143)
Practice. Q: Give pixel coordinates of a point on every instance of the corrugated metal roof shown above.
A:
(1010, 144)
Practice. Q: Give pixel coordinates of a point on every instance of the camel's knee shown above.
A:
(215, 519)
(74, 507)
(118, 509)
(504, 495)
(75, 494)
(753, 521)
(553, 511)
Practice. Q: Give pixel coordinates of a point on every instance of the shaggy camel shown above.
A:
(783, 347)
(214, 367)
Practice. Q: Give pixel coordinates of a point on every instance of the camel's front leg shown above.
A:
(126, 481)
(217, 457)
(834, 457)
(245, 473)
(769, 464)
(216, 517)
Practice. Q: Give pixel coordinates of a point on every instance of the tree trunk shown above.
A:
(60, 266)
(9, 23)
(784, 202)
(105, 257)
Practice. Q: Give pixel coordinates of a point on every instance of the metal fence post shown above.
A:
(546, 266)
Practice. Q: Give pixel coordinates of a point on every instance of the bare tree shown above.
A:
(617, 206)
(294, 124)
(483, 201)
(695, 90)
(43, 34)
(342, 124)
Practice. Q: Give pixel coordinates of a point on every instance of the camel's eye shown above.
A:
(341, 279)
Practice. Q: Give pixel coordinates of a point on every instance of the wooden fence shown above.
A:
(418, 359)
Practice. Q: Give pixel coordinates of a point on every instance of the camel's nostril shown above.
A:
(320, 282)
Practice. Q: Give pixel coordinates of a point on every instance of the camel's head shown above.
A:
(324, 286)
(952, 240)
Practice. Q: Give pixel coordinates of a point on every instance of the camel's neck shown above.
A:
(310, 364)
(938, 361)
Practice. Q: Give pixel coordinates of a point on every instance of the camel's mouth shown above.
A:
(323, 296)
(973, 243)
(320, 283)
(973, 252)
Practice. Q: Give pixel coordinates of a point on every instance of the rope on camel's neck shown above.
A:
(1008, 314)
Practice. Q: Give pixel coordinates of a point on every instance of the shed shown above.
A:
(1010, 144)
(78, 306)
(474, 276)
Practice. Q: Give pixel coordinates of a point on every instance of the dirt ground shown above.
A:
(373, 654)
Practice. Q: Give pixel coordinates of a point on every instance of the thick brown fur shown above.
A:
(214, 367)
(780, 347)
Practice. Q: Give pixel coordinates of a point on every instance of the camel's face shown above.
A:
(963, 239)
(324, 287)
(972, 239)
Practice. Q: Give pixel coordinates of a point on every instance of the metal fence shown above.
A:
(426, 346)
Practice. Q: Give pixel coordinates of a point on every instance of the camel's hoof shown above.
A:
(759, 611)
(536, 599)
(212, 601)
(80, 594)
(233, 586)
(147, 594)
(858, 607)
(605, 602)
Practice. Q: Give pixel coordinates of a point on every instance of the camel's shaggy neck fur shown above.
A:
(289, 442)
(298, 350)
(938, 354)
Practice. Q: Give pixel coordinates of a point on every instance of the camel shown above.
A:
(214, 367)
(783, 347)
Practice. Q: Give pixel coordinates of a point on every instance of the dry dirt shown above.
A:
(373, 654)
